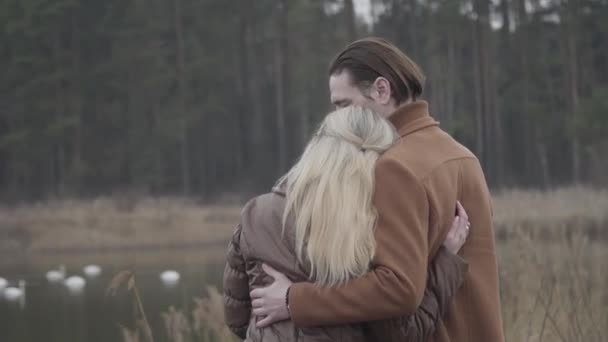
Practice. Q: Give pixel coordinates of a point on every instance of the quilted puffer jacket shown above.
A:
(259, 239)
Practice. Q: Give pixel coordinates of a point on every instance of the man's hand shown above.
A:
(270, 302)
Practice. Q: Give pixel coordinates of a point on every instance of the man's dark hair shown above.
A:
(369, 58)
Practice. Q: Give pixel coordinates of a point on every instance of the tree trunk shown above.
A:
(351, 24)
(541, 149)
(573, 73)
(158, 150)
(181, 98)
(489, 133)
(478, 93)
(260, 147)
(484, 81)
(413, 25)
(493, 134)
(244, 134)
(61, 109)
(304, 117)
(524, 64)
(502, 150)
(450, 83)
(281, 82)
(505, 30)
(76, 87)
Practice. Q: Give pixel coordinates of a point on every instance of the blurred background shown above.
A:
(132, 131)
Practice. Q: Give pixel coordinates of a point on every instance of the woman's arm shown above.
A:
(237, 303)
(444, 277)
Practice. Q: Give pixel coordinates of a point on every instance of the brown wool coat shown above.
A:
(418, 181)
(258, 239)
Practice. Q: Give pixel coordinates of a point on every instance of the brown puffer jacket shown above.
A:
(259, 239)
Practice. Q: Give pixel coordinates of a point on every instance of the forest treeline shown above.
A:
(201, 97)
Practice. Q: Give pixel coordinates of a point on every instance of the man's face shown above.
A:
(344, 93)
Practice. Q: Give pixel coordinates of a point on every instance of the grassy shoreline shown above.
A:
(115, 222)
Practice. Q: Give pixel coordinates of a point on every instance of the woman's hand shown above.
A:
(459, 231)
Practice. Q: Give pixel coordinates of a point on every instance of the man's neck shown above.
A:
(394, 106)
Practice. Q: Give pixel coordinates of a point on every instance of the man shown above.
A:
(418, 181)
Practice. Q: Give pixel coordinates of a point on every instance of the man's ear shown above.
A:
(381, 91)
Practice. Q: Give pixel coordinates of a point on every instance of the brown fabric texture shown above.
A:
(418, 181)
(259, 239)
(442, 284)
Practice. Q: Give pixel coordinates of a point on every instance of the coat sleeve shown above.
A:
(396, 283)
(237, 303)
(445, 276)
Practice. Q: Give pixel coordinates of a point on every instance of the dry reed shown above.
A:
(204, 324)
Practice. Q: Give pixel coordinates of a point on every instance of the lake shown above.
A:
(51, 313)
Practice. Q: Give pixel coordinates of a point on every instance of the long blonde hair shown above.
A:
(329, 194)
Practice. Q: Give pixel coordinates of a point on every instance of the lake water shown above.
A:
(52, 314)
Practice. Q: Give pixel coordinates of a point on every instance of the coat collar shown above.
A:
(280, 187)
(411, 117)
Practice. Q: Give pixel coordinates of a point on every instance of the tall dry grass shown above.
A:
(554, 291)
(128, 222)
(515, 207)
(205, 323)
(113, 222)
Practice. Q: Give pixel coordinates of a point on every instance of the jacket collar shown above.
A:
(280, 188)
(411, 117)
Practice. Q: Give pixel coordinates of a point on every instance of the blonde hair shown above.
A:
(329, 194)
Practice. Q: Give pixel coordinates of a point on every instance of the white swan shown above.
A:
(56, 276)
(92, 271)
(16, 294)
(3, 284)
(75, 284)
(170, 278)
(12, 294)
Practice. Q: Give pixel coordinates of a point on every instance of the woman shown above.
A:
(318, 225)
